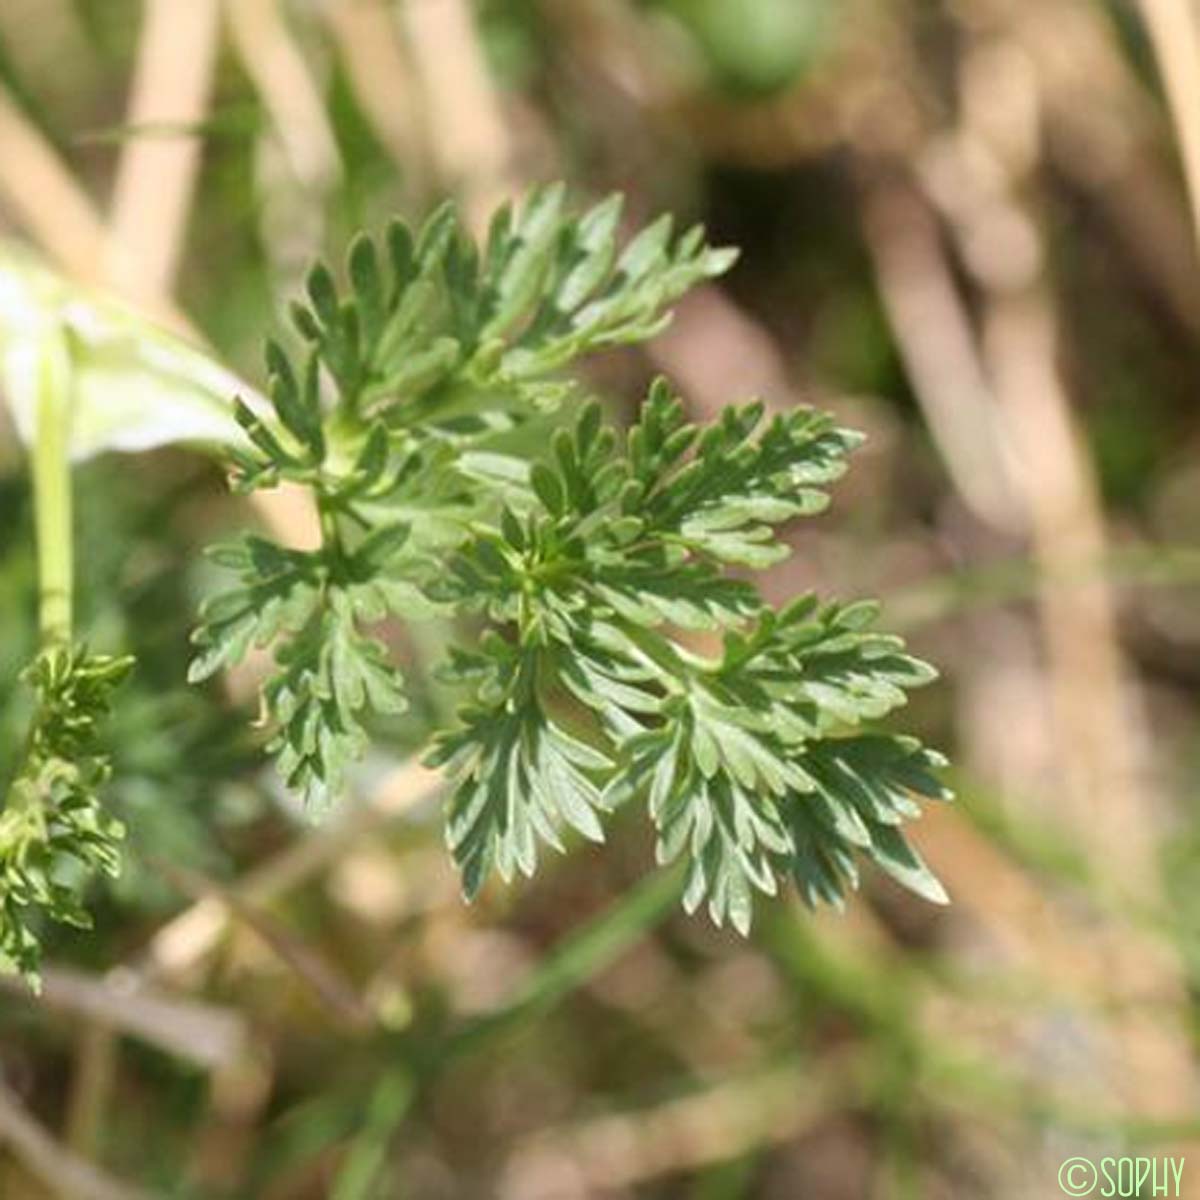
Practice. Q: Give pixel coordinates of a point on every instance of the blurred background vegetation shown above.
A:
(967, 228)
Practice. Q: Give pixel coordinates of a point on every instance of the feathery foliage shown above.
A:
(592, 568)
(54, 833)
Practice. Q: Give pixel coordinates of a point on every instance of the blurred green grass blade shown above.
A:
(229, 121)
(566, 968)
(733, 1180)
(579, 958)
(389, 1106)
(986, 585)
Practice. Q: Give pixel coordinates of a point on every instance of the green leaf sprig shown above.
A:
(435, 350)
(54, 834)
(592, 568)
(756, 764)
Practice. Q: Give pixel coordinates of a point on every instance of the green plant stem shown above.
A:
(330, 533)
(52, 490)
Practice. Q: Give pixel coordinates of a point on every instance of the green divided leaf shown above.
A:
(308, 607)
(277, 593)
(747, 762)
(876, 778)
(522, 775)
(421, 419)
(330, 674)
(741, 479)
(435, 323)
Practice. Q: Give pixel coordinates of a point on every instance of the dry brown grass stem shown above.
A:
(1102, 131)
(91, 1084)
(185, 941)
(1174, 28)
(155, 186)
(367, 34)
(469, 136)
(48, 1160)
(609, 1154)
(319, 977)
(1098, 732)
(275, 63)
(938, 345)
(204, 1034)
(156, 174)
(983, 192)
(45, 198)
